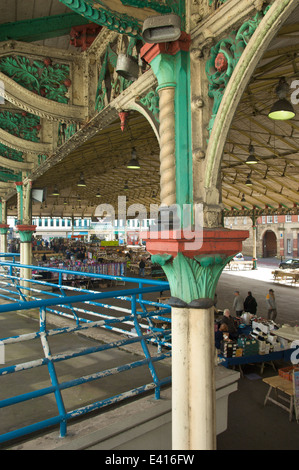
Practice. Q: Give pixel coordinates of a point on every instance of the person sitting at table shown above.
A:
(219, 335)
(228, 320)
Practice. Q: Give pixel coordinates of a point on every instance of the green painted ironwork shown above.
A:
(41, 77)
(192, 278)
(98, 12)
(38, 29)
(174, 71)
(151, 103)
(21, 124)
(123, 24)
(9, 175)
(10, 153)
(119, 83)
(223, 59)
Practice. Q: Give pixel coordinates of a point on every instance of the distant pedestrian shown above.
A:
(250, 304)
(142, 268)
(238, 304)
(271, 304)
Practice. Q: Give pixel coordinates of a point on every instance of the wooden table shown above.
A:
(278, 384)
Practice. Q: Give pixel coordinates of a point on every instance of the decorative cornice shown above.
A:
(24, 145)
(35, 104)
(16, 165)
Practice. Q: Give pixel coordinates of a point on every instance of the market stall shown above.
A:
(255, 342)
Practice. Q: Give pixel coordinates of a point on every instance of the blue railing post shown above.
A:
(52, 372)
(145, 349)
(78, 304)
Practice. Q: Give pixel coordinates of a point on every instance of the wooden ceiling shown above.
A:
(275, 177)
(103, 163)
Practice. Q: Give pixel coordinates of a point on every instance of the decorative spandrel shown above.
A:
(45, 78)
(224, 57)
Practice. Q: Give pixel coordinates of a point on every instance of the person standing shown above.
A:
(271, 304)
(142, 268)
(238, 304)
(250, 304)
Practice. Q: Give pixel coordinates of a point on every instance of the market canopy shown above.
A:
(98, 149)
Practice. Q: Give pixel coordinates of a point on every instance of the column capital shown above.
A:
(150, 51)
(25, 232)
(4, 229)
(193, 267)
(162, 59)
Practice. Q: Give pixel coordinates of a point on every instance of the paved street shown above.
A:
(259, 282)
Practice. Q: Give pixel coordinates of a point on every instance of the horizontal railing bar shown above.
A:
(87, 274)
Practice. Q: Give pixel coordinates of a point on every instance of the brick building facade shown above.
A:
(276, 235)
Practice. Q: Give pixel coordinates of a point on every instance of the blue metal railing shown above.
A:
(88, 310)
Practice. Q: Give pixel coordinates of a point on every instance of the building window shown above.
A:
(62, 222)
(57, 222)
(51, 223)
(288, 218)
(263, 219)
(269, 219)
(46, 222)
(275, 219)
(289, 246)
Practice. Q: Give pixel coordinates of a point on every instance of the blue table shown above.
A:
(257, 358)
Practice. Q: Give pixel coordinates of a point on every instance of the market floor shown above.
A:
(251, 425)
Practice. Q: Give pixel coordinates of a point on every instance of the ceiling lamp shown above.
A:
(164, 28)
(133, 163)
(55, 191)
(243, 198)
(65, 202)
(251, 160)
(282, 110)
(81, 181)
(248, 182)
(126, 187)
(98, 193)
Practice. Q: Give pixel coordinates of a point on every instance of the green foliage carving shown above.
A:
(229, 50)
(151, 102)
(192, 279)
(23, 125)
(43, 78)
(10, 153)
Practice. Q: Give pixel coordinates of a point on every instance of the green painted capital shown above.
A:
(26, 236)
(163, 66)
(192, 279)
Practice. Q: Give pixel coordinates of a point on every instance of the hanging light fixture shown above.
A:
(126, 187)
(282, 110)
(55, 191)
(133, 163)
(81, 181)
(248, 182)
(243, 198)
(251, 160)
(65, 202)
(98, 193)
